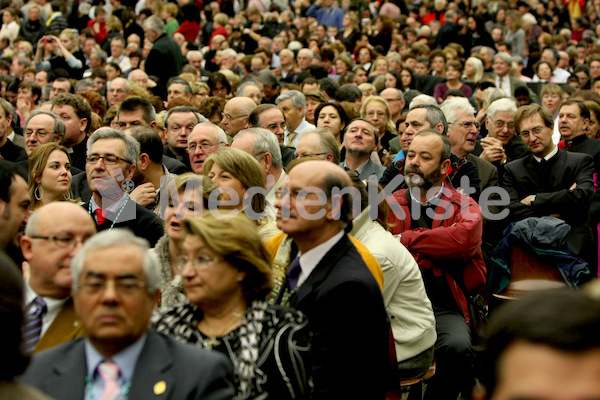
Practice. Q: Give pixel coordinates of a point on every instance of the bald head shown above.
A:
(56, 214)
(235, 115)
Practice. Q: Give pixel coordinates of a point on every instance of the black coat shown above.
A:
(164, 61)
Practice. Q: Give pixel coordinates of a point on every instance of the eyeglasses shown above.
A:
(40, 134)
(124, 286)
(296, 155)
(500, 124)
(469, 124)
(274, 127)
(535, 131)
(108, 159)
(199, 262)
(192, 147)
(63, 241)
(229, 117)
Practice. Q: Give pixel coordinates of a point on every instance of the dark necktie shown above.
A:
(32, 326)
(293, 274)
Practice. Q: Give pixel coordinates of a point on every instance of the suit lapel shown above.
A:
(154, 366)
(70, 371)
(66, 326)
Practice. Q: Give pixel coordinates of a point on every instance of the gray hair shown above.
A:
(504, 57)
(127, 85)
(434, 116)
(528, 17)
(488, 50)
(59, 126)
(230, 52)
(268, 78)
(264, 141)
(186, 85)
(240, 90)
(194, 53)
(297, 97)
(455, 105)
(120, 238)
(99, 55)
(220, 135)
(83, 84)
(501, 105)
(153, 23)
(8, 110)
(327, 143)
(422, 99)
(199, 117)
(132, 146)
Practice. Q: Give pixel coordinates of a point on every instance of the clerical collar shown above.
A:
(432, 200)
(549, 156)
(576, 140)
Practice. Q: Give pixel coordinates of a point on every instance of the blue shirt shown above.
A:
(126, 360)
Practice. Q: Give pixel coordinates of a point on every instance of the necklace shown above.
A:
(213, 336)
(118, 214)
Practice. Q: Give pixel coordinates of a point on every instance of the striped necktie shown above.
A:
(109, 372)
(32, 326)
(291, 137)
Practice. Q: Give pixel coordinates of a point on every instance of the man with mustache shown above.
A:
(360, 140)
(442, 229)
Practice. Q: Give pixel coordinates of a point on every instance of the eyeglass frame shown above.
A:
(38, 134)
(104, 160)
(229, 117)
(526, 134)
(60, 241)
(495, 122)
(203, 146)
(296, 155)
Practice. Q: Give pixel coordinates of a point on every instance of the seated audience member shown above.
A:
(319, 143)
(42, 127)
(14, 206)
(235, 115)
(270, 117)
(551, 182)
(331, 285)
(447, 249)
(115, 291)
(293, 106)
(332, 117)
(227, 312)
(235, 172)
(76, 113)
(11, 312)
(411, 316)
(10, 149)
(205, 138)
(543, 346)
(49, 175)
(186, 196)
(378, 111)
(360, 140)
(51, 240)
(179, 124)
(111, 162)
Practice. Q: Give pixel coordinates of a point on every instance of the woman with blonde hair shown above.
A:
(380, 67)
(188, 196)
(227, 278)
(49, 175)
(169, 14)
(473, 70)
(351, 32)
(65, 53)
(378, 111)
(236, 172)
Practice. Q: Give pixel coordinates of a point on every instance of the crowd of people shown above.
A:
(297, 200)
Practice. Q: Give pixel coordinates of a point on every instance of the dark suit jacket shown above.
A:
(175, 166)
(185, 160)
(347, 317)
(164, 61)
(12, 152)
(551, 185)
(487, 172)
(188, 372)
(66, 326)
(80, 188)
(142, 222)
(79, 154)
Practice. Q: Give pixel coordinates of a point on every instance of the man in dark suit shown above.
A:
(76, 113)
(504, 80)
(164, 60)
(551, 182)
(8, 150)
(115, 291)
(360, 139)
(52, 237)
(330, 283)
(111, 162)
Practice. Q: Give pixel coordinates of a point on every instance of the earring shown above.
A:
(67, 195)
(36, 193)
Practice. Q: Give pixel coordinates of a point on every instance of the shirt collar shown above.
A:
(114, 207)
(549, 156)
(432, 200)
(310, 259)
(126, 359)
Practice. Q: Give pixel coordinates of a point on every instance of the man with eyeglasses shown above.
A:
(270, 117)
(395, 99)
(235, 115)
(42, 127)
(293, 105)
(179, 123)
(205, 139)
(319, 143)
(462, 132)
(115, 290)
(501, 145)
(111, 162)
(551, 182)
(117, 90)
(53, 235)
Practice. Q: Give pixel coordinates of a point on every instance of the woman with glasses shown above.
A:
(49, 175)
(378, 111)
(227, 277)
(188, 196)
(235, 172)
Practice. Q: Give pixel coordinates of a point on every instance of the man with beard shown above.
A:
(442, 229)
(360, 140)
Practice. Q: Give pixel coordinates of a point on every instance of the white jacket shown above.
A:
(406, 302)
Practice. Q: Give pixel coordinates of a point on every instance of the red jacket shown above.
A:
(453, 240)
